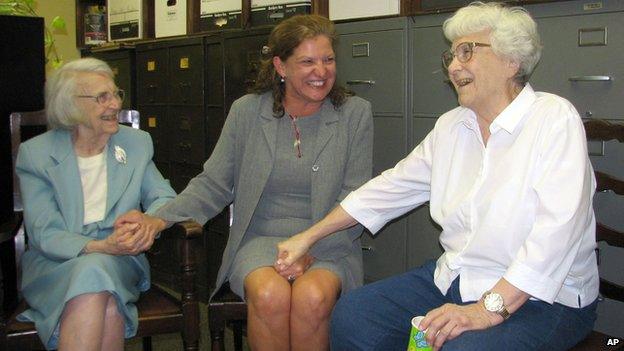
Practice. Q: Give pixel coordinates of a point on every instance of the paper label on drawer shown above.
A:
(151, 122)
(151, 66)
(184, 62)
(592, 6)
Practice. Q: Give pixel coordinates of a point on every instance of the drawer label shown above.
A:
(151, 122)
(151, 65)
(184, 62)
(592, 6)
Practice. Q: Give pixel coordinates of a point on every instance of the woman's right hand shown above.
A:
(289, 251)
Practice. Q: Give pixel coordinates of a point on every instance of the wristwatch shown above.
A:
(493, 302)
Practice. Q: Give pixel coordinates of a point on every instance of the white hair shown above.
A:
(513, 33)
(60, 89)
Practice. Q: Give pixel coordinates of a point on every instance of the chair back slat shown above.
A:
(131, 118)
(605, 182)
(609, 235)
(24, 125)
(598, 129)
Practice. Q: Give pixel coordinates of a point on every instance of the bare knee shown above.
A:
(310, 301)
(269, 299)
(112, 310)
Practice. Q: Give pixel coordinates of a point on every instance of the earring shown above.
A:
(282, 79)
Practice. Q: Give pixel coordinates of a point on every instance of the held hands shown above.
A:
(290, 251)
(297, 269)
(449, 321)
(143, 237)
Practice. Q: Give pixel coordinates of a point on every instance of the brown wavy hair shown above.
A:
(283, 41)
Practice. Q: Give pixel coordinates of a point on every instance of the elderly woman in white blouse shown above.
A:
(509, 181)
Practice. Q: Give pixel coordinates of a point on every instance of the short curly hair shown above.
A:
(61, 108)
(513, 33)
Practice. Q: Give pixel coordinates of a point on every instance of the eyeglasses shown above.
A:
(106, 97)
(463, 52)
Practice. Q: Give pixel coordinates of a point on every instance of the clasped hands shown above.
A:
(293, 258)
(134, 233)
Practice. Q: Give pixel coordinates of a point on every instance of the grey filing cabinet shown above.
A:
(372, 61)
(432, 95)
(582, 61)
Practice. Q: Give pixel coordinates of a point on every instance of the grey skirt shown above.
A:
(261, 251)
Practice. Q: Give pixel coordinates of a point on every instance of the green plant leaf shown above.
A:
(58, 23)
(29, 3)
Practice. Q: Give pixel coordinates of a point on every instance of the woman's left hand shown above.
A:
(449, 321)
(297, 269)
(150, 227)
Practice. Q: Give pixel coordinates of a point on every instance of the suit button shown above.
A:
(315, 168)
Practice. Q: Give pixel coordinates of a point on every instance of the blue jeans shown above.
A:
(377, 317)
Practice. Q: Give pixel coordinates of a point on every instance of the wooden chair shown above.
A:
(159, 312)
(226, 308)
(600, 130)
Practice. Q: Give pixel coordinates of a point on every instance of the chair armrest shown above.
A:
(185, 230)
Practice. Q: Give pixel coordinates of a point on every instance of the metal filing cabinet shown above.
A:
(364, 66)
(581, 61)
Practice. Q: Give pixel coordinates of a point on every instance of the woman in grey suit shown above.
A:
(287, 155)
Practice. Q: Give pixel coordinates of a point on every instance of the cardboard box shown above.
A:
(125, 20)
(170, 18)
(219, 14)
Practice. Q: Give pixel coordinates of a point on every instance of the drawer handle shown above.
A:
(367, 248)
(590, 79)
(361, 81)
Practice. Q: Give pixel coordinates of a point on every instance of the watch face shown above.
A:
(493, 302)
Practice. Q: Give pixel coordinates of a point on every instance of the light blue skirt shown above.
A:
(47, 285)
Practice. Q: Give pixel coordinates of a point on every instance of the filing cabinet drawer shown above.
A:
(181, 175)
(214, 74)
(581, 61)
(122, 63)
(432, 92)
(186, 72)
(154, 121)
(187, 135)
(242, 62)
(152, 76)
(363, 65)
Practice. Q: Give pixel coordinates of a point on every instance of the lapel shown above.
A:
(257, 159)
(327, 127)
(65, 179)
(269, 124)
(118, 175)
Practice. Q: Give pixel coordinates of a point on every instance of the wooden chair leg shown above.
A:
(147, 343)
(190, 305)
(216, 338)
(237, 327)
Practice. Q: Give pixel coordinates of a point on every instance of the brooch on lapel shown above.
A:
(120, 154)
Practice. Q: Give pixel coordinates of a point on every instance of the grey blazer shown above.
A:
(242, 160)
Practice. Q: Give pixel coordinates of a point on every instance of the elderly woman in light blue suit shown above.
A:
(286, 156)
(81, 275)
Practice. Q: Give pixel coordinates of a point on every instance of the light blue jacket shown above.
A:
(53, 200)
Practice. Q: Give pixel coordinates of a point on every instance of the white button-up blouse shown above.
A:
(519, 208)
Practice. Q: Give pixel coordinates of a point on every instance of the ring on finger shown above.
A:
(291, 278)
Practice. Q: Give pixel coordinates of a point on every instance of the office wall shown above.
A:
(65, 40)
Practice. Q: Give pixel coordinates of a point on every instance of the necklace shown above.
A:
(297, 135)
